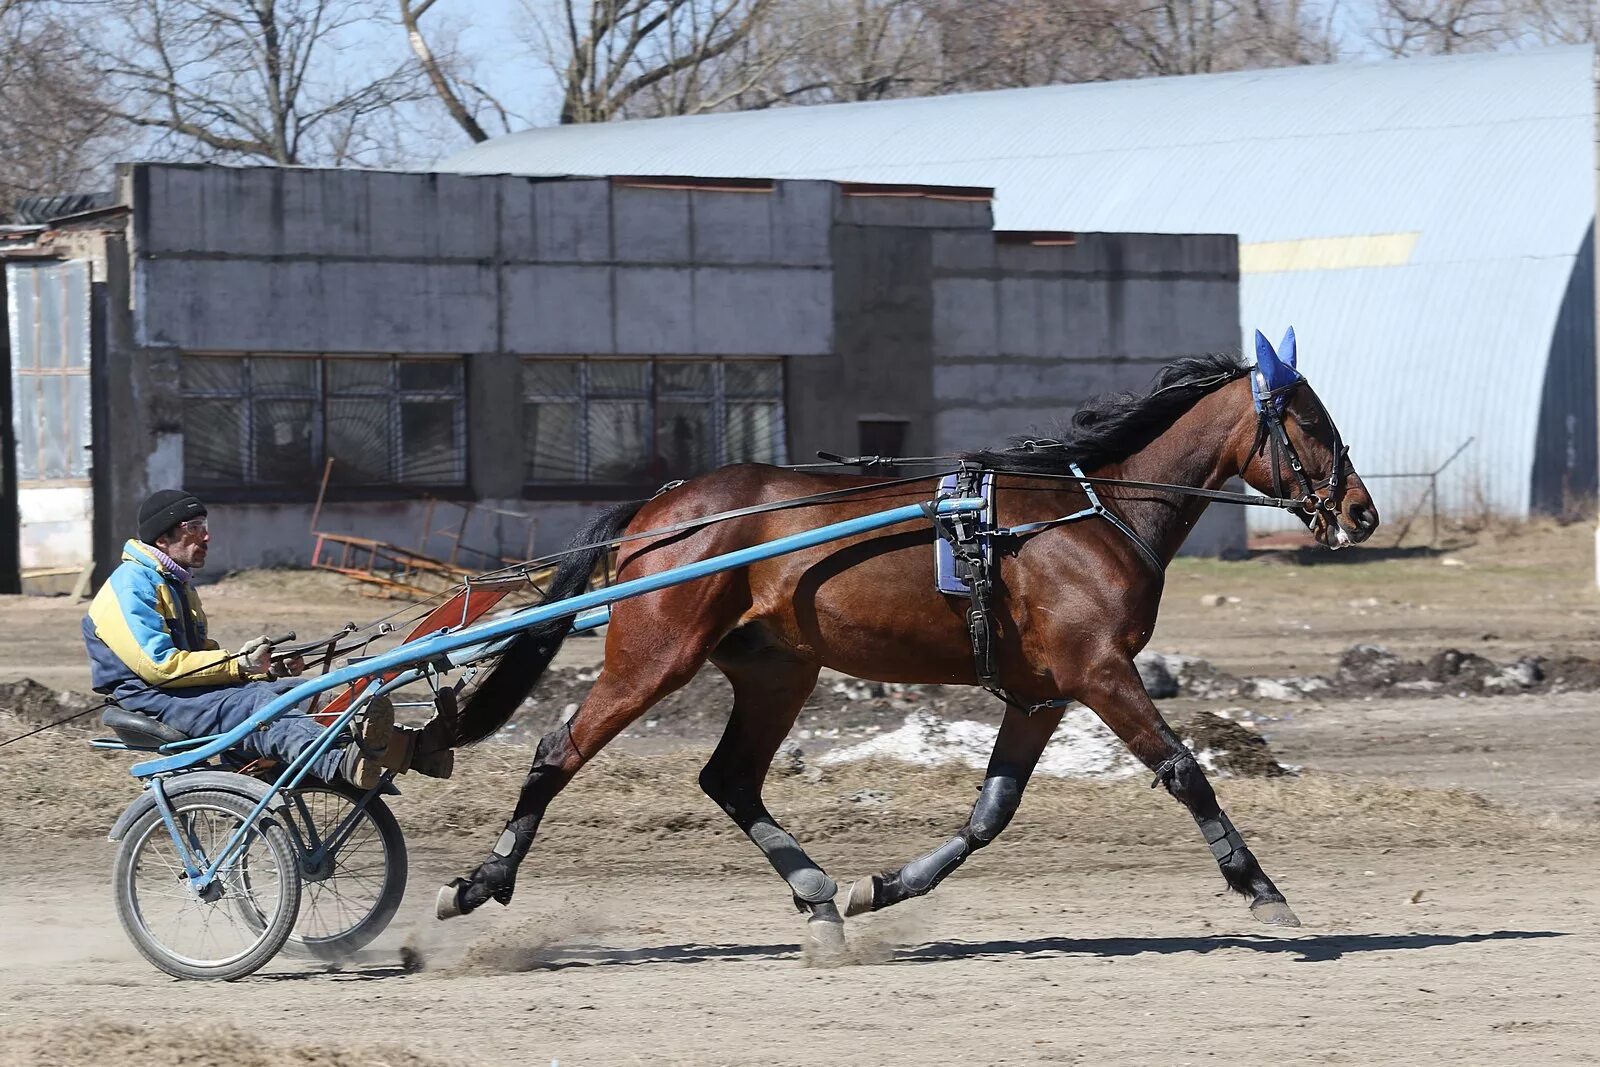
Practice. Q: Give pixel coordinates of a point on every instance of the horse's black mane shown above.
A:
(1114, 426)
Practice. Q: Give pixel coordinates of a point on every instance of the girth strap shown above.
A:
(968, 538)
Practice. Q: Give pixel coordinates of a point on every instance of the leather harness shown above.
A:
(971, 538)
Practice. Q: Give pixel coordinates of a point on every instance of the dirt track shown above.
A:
(646, 931)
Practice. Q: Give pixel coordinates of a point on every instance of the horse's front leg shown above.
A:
(1113, 690)
(1016, 750)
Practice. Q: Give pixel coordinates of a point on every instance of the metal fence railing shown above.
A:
(1429, 498)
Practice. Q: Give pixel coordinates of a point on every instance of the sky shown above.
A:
(496, 33)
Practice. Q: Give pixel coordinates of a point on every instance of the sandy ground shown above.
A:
(1440, 849)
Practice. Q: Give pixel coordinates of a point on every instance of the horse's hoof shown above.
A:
(859, 902)
(447, 905)
(1274, 913)
(824, 939)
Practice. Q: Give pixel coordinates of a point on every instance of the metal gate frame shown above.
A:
(10, 518)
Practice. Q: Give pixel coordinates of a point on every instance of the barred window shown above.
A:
(268, 420)
(631, 421)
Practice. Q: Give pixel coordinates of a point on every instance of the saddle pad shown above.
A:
(945, 578)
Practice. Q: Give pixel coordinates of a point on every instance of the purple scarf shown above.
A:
(169, 566)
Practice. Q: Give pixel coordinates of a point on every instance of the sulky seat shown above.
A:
(140, 731)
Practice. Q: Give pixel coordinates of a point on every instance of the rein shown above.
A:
(1307, 505)
(1220, 495)
(697, 523)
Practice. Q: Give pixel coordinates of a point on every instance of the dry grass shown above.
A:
(634, 804)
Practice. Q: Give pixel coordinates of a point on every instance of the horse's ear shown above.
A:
(1286, 349)
(1271, 373)
(1265, 356)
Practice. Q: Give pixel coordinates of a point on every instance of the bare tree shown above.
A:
(1018, 43)
(1171, 37)
(838, 51)
(55, 134)
(1553, 22)
(637, 58)
(284, 81)
(1012, 43)
(449, 76)
(1442, 27)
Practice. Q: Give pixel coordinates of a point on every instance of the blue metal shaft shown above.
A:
(426, 648)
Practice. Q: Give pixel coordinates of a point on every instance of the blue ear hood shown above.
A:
(1273, 372)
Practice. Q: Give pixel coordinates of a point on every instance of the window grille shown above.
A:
(611, 421)
(268, 420)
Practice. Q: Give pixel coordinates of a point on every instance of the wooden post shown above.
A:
(322, 491)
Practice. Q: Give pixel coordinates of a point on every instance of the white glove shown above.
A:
(257, 654)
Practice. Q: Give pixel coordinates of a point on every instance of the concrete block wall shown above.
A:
(364, 261)
(1025, 332)
(881, 366)
(489, 268)
(885, 306)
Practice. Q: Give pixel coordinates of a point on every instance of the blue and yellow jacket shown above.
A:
(146, 625)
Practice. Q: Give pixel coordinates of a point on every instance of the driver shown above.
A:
(149, 651)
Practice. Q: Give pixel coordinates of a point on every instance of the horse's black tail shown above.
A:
(524, 662)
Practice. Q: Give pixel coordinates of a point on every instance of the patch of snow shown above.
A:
(1287, 690)
(1271, 689)
(1081, 747)
(1520, 675)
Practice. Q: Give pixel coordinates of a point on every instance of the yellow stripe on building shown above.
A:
(1328, 253)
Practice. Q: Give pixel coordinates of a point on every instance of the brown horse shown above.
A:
(1073, 604)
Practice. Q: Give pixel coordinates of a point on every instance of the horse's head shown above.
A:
(1298, 452)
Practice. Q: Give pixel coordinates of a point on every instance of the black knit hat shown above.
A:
(164, 510)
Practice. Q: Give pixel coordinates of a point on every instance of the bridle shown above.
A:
(1322, 497)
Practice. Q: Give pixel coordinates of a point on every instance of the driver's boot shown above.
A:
(365, 757)
(409, 750)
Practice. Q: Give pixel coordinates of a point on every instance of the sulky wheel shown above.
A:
(206, 935)
(353, 864)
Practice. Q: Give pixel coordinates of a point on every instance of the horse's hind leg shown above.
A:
(628, 686)
(1016, 751)
(1115, 693)
(769, 688)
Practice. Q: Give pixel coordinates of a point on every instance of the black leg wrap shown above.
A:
(998, 798)
(809, 883)
(1221, 838)
(1187, 782)
(997, 802)
(496, 877)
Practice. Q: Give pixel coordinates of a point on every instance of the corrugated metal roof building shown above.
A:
(1425, 225)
